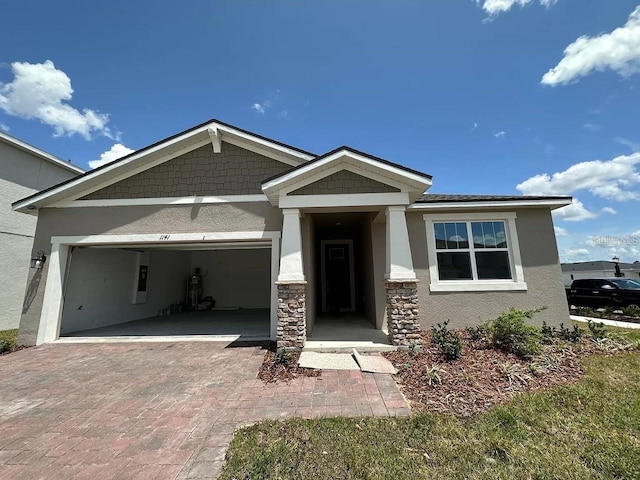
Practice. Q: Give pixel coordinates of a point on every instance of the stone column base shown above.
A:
(403, 319)
(292, 315)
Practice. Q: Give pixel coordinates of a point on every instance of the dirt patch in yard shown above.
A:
(483, 376)
(283, 366)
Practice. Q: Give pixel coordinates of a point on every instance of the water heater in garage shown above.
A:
(194, 290)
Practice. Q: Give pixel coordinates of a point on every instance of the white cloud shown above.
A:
(4, 127)
(496, 7)
(633, 146)
(115, 152)
(283, 114)
(474, 127)
(500, 134)
(560, 232)
(592, 127)
(261, 107)
(611, 179)
(618, 50)
(576, 212)
(609, 210)
(42, 92)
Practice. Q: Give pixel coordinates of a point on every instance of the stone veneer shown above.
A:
(292, 315)
(402, 313)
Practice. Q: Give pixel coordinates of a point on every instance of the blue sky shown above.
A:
(488, 96)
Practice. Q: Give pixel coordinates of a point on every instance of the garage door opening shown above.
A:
(154, 292)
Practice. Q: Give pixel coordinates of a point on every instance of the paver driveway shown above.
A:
(154, 410)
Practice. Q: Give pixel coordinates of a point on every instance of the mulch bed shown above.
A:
(14, 349)
(272, 371)
(483, 377)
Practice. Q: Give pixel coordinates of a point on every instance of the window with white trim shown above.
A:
(474, 251)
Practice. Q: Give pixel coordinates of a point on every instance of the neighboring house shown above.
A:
(597, 269)
(23, 170)
(296, 238)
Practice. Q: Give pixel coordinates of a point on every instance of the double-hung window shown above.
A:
(473, 252)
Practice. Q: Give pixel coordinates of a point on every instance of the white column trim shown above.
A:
(291, 266)
(275, 268)
(399, 260)
(51, 314)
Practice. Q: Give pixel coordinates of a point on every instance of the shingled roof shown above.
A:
(443, 198)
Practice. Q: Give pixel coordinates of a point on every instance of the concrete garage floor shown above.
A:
(246, 324)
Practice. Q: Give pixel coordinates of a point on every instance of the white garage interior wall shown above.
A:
(236, 278)
(100, 282)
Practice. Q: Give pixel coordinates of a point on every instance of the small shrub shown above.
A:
(598, 330)
(548, 333)
(631, 312)
(545, 363)
(282, 357)
(574, 335)
(510, 334)
(478, 333)
(448, 342)
(414, 349)
(5, 345)
(433, 375)
(512, 373)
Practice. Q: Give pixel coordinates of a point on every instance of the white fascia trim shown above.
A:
(344, 200)
(345, 153)
(515, 258)
(129, 202)
(554, 204)
(443, 217)
(260, 141)
(164, 238)
(477, 287)
(39, 153)
(161, 159)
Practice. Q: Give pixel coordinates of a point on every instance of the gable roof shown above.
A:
(36, 152)
(407, 180)
(159, 152)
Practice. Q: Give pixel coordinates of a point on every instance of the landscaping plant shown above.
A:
(448, 342)
(510, 333)
(598, 330)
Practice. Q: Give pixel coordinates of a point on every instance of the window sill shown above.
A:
(478, 287)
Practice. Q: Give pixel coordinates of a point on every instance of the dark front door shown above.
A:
(338, 288)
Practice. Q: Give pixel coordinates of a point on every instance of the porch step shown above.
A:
(375, 363)
(346, 347)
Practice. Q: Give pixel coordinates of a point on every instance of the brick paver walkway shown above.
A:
(154, 410)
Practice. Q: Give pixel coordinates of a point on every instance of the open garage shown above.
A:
(168, 290)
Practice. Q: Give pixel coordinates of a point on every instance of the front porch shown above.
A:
(345, 249)
(338, 333)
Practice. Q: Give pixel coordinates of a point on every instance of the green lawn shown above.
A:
(590, 430)
(9, 335)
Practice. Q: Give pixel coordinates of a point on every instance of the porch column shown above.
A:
(292, 328)
(401, 283)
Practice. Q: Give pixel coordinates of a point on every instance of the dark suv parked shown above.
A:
(605, 292)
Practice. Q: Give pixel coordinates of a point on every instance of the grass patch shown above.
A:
(588, 430)
(8, 340)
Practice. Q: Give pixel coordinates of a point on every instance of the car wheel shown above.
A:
(634, 306)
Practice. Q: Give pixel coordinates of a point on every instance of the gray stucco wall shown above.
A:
(344, 181)
(21, 175)
(542, 274)
(251, 216)
(234, 171)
